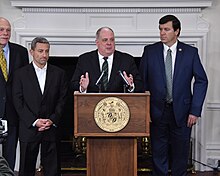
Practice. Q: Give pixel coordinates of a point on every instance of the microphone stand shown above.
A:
(98, 82)
(124, 88)
(99, 86)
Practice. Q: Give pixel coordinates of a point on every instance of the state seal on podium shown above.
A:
(111, 114)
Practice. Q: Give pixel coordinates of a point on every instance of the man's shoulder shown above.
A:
(186, 46)
(23, 69)
(123, 54)
(89, 54)
(154, 45)
(56, 68)
(16, 46)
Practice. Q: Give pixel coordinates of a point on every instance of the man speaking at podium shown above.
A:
(105, 69)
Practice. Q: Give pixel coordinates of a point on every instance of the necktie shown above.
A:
(168, 69)
(105, 76)
(3, 65)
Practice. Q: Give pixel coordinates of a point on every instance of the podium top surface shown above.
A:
(110, 94)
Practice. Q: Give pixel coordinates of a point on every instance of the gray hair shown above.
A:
(38, 40)
(100, 29)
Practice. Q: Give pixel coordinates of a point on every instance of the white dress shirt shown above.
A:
(173, 53)
(41, 75)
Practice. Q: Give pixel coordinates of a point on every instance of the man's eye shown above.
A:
(104, 40)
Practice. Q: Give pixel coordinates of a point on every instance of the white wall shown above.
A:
(9, 12)
(210, 143)
(212, 15)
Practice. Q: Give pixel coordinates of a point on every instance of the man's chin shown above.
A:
(163, 40)
(3, 42)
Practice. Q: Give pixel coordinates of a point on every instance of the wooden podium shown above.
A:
(111, 153)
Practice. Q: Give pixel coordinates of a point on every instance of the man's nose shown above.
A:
(108, 42)
(5, 32)
(162, 32)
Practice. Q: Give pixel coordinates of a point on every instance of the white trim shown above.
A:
(112, 3)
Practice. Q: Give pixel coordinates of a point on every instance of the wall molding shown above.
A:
(112, 3)
(213, 147)
(213, 106)
(110, 10)
(64, 42)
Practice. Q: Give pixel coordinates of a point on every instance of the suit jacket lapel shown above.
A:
(12, 55)
(178, 61)
(49, 78)
(115, 68)
(160, 55)
(33, 78)
(95, 64)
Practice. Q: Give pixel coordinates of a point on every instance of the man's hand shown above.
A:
(84, 81)
(129, 79)
(191, 120)
(43, 124)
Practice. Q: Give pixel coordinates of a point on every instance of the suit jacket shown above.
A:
(89, 62)
(31, 104)
(18, 57)
(187, 67)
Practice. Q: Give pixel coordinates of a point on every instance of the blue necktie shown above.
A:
(168, 69)
(105, 76)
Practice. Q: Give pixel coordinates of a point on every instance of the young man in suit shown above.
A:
(89, 67)
(16, 56)
(170, 69)
(39, 95)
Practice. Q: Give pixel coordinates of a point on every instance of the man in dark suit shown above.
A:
(172, 113)
(89, 67)
(16, 56)
(39, 93)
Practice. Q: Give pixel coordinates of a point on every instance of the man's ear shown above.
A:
(177, 32)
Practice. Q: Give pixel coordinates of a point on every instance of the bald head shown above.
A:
(105, 41)
(5, 31)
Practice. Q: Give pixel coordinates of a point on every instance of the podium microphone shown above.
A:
(125, 80)
(100, 77)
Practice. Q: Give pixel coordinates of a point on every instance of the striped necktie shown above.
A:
(105, 70)
(3, 65)
(169, 80)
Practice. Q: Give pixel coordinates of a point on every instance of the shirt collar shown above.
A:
(172, 48)
(6, 48)
(38, 68)
(101, 57)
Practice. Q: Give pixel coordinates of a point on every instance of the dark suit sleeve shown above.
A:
(143, 69)
(61, 101)
(25, 57)
(199, 86)
(4, 168)
(74, 84)
(21, 107)
(136, 76)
